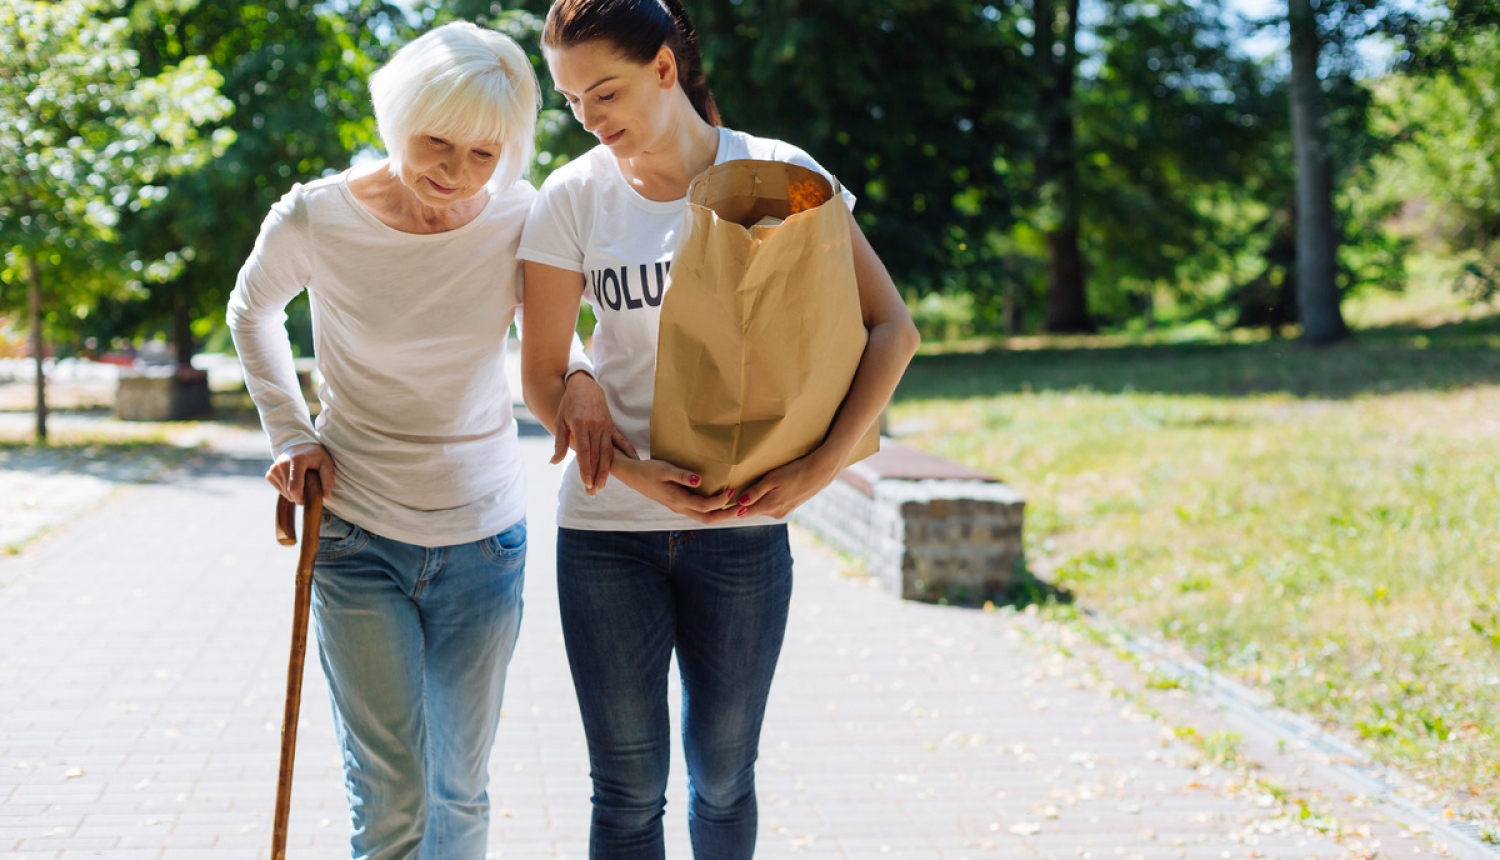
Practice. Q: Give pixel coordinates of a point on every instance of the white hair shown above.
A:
(464, 83)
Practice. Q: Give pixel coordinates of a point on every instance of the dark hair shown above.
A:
(637, 29)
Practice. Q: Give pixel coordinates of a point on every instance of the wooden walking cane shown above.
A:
(286, 534)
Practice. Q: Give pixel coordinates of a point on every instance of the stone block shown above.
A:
(954, 538)
(164, 394)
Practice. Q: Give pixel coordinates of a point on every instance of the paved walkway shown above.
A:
(142, 658)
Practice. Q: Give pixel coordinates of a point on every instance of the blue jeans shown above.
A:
(720, 597)
(415, 643)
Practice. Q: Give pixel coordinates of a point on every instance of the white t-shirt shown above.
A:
(588, 219)
(410, 332)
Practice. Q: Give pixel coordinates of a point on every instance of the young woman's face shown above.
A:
(442, 172)
(622, 103)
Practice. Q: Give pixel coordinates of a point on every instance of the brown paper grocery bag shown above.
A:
(761, 331)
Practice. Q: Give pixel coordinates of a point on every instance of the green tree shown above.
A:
(1176, 131)
(84, 137)
(1445, 118)
(920, 108)
(1318, 295)
(297, 73)
(1055, 33)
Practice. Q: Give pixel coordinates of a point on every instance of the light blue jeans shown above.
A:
(415, 642)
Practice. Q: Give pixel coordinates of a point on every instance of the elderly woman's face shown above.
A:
(442, 172)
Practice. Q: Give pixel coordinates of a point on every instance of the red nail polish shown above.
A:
(694, 480)
(745, 499)
(741, 512)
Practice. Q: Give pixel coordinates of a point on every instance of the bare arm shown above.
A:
(551, 313)
(549, 318)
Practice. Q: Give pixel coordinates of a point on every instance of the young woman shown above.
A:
(644, 564)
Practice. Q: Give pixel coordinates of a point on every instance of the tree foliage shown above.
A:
(943, 116)
(297, 73)
(1175, 133)
(921, 108)
(85, 137)
(1445, 123)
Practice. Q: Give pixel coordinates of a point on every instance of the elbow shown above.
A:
(904, 339)
(909, 339)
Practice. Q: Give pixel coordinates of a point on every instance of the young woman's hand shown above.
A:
(672, 487)
(290, 470)
(783, 489)
(585, 425)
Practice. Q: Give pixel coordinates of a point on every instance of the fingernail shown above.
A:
(694, 480)
(741, 512)
(745, 499)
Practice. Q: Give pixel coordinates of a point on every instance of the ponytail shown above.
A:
(690, 64)
(637, 29)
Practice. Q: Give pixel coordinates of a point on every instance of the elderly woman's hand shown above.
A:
(585, 425)
(290, 470)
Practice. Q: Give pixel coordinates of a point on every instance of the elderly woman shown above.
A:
(411, 267)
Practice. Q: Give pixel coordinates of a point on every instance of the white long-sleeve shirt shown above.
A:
(410, 332)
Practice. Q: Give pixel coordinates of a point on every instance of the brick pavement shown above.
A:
(142, 669)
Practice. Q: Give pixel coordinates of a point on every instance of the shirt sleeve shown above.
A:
(554, 233)
(279, 267)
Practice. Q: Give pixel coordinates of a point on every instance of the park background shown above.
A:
(1243, 368)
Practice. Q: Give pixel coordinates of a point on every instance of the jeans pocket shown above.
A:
(337, 537)
(506, 546)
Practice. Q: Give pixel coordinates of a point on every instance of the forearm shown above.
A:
(543, 392)
(893, 340)
(550, 347)
(888, 351)
(630, 471)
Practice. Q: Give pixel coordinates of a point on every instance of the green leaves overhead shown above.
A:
(915, 105)
(86, 135)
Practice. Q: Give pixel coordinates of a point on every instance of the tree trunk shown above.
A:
(182, 328)
(1317, 243)
(38, 347)
(1057, 166)
(1009, 309)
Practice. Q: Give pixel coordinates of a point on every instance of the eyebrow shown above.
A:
(594, 86)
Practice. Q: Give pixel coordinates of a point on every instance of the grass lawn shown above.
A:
(1319, 524)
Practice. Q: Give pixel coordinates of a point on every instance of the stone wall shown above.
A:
(163, 395)
(954, 538)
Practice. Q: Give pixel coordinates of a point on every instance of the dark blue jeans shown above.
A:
(720, 597)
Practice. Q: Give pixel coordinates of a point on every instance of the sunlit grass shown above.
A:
(1320, 524)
